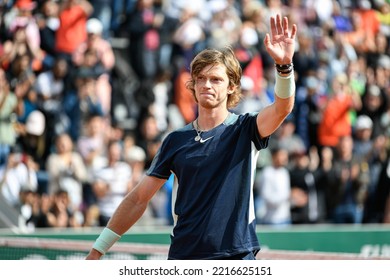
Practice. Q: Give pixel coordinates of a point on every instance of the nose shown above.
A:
(207, 83)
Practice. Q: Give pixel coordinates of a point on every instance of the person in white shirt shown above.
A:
(17, 176)
(112, 182)
(275, 190)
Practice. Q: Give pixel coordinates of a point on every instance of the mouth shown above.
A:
(206, 94)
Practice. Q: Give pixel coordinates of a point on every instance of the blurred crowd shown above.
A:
(89, 89)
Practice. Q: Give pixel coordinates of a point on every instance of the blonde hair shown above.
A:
(226, 57)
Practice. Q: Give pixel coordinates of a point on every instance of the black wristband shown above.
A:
(284, 68)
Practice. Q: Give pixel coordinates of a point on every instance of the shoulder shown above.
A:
(233, 117)
(242, 120)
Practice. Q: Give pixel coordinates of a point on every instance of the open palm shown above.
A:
(280, 45)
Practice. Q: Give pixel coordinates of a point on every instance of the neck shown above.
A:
(210, 119)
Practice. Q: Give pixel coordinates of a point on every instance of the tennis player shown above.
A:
(213, 159)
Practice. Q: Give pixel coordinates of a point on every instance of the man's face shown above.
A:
(212, 86)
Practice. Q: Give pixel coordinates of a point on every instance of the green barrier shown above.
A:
(366, 240)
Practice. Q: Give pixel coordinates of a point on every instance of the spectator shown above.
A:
(25, 21)
(148, 136)
(92, 145)
(224, 26)
(21, 76)
(51, 211)
(251, 102)
(308, 111)
(341, 18)
(162, 90)
(97, 53)
(17, 176)
(383, 14)
(286, 137)
(48, 22)
(248, 55)
(274, 190)
(188, 35)
(349, 189)
(308, 200)
(182, 98)
(32, 141)
(369, 19)
(307, 59)
(112, 182)
(102, 11)
(135, 156)
(357, 78)
(10, 105)
(363, 144)
(143, 26)
(51, 87)
(61, 213)
(71, 33)
(373, 106)
(119, 10)
(67, 172)
(382, 195)
(377, 160)
(335, 121)
(79, 105)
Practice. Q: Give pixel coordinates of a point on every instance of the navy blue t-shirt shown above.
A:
(213, 207)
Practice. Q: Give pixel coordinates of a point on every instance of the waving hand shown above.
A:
(280, 44)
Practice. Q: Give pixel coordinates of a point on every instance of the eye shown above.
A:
(200, 79)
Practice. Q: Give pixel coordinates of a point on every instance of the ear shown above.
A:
(231, 89)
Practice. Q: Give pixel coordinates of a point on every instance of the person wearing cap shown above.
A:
(363, 143)
(374, 105)
(33, 143)
(373, 152)
(35, 123)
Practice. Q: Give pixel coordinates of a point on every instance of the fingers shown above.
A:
(293, 31)
(280, 26)
(267, 40)
(273, 27)
(285, 26)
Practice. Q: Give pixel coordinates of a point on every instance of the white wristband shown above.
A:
(106, 239)
(284, 85)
